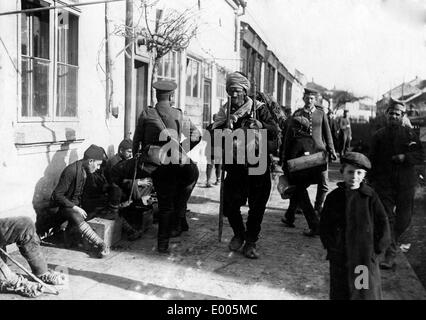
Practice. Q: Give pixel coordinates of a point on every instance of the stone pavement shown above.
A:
(291, 265)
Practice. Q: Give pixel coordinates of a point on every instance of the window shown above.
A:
(207, 68)
(221, 85)
(49, 75)
(67, 65)
(168, 66)
(35, 62)
(192, 78)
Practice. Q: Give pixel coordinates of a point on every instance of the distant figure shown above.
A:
(345, 133)
(210, 158)
(412, 112)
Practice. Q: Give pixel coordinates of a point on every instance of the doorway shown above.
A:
(141, 87)
(207, 103)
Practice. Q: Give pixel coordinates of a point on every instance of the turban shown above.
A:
(237, 79)
(94, 152)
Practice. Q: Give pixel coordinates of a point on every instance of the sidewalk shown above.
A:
(291, 265)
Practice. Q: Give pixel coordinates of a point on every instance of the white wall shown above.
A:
(29, 174)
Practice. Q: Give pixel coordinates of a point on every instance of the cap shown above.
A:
(309, 91)
(95, 152)
(396, 105)
(126, 144)
(165, 85)
(356, 159)
(302, 121)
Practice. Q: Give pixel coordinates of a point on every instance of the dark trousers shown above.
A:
(174, 185)
(239, 187)
(300, 198)
(399, 205)
(344, 142)
(21, 230)
(322, 189)
(209, 169)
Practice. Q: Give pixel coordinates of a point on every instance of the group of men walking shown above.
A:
(159, 153)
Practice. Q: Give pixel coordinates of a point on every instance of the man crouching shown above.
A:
(68, 195)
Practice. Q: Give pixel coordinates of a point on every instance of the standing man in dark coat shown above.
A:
(395, 150)
(239, 185)
(69, 192)
(173, 183)
(354, 229)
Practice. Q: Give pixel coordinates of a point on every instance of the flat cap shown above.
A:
(302, 121)
(95, 152)
(165, 85)
(126, 144)
(309, 91)
(356, 159)
(396, 105)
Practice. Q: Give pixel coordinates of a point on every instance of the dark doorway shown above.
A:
(141, 87)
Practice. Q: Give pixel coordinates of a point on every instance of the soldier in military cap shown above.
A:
(395, 150)
(172, 182)
(301, 144)
(320, 131)
(354, 230)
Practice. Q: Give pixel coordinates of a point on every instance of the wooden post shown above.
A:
(128, 71)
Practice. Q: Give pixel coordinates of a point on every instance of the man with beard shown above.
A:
(395, 150)
(239, 185)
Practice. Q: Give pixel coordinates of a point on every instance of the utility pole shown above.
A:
(128, 69)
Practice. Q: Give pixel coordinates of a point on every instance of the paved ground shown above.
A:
(199, 267)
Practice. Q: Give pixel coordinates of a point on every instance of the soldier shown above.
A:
(300, 144)
(239, 186)
(319, 129)
(22, 231)
(345, 133)
(395, 150)
(69, 191)
(173, 183)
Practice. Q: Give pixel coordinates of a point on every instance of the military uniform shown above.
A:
(320, 131)
(173, 183)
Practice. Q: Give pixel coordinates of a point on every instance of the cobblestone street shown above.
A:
(291, 265)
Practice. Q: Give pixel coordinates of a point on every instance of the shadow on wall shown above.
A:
(45, 213)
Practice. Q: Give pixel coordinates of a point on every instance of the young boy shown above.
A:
(354, 229)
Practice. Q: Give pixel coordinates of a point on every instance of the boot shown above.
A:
(236, 243)
(90, 235)
(184, 224)
(132, 233)
(249, 250)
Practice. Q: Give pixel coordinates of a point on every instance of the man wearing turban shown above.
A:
(239, 185)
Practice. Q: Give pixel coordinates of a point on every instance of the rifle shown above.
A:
(137, 156)
(222, 174)
(32, 276)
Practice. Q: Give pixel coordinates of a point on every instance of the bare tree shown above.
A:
(173, 30)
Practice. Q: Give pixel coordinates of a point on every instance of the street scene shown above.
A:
(212, 150)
